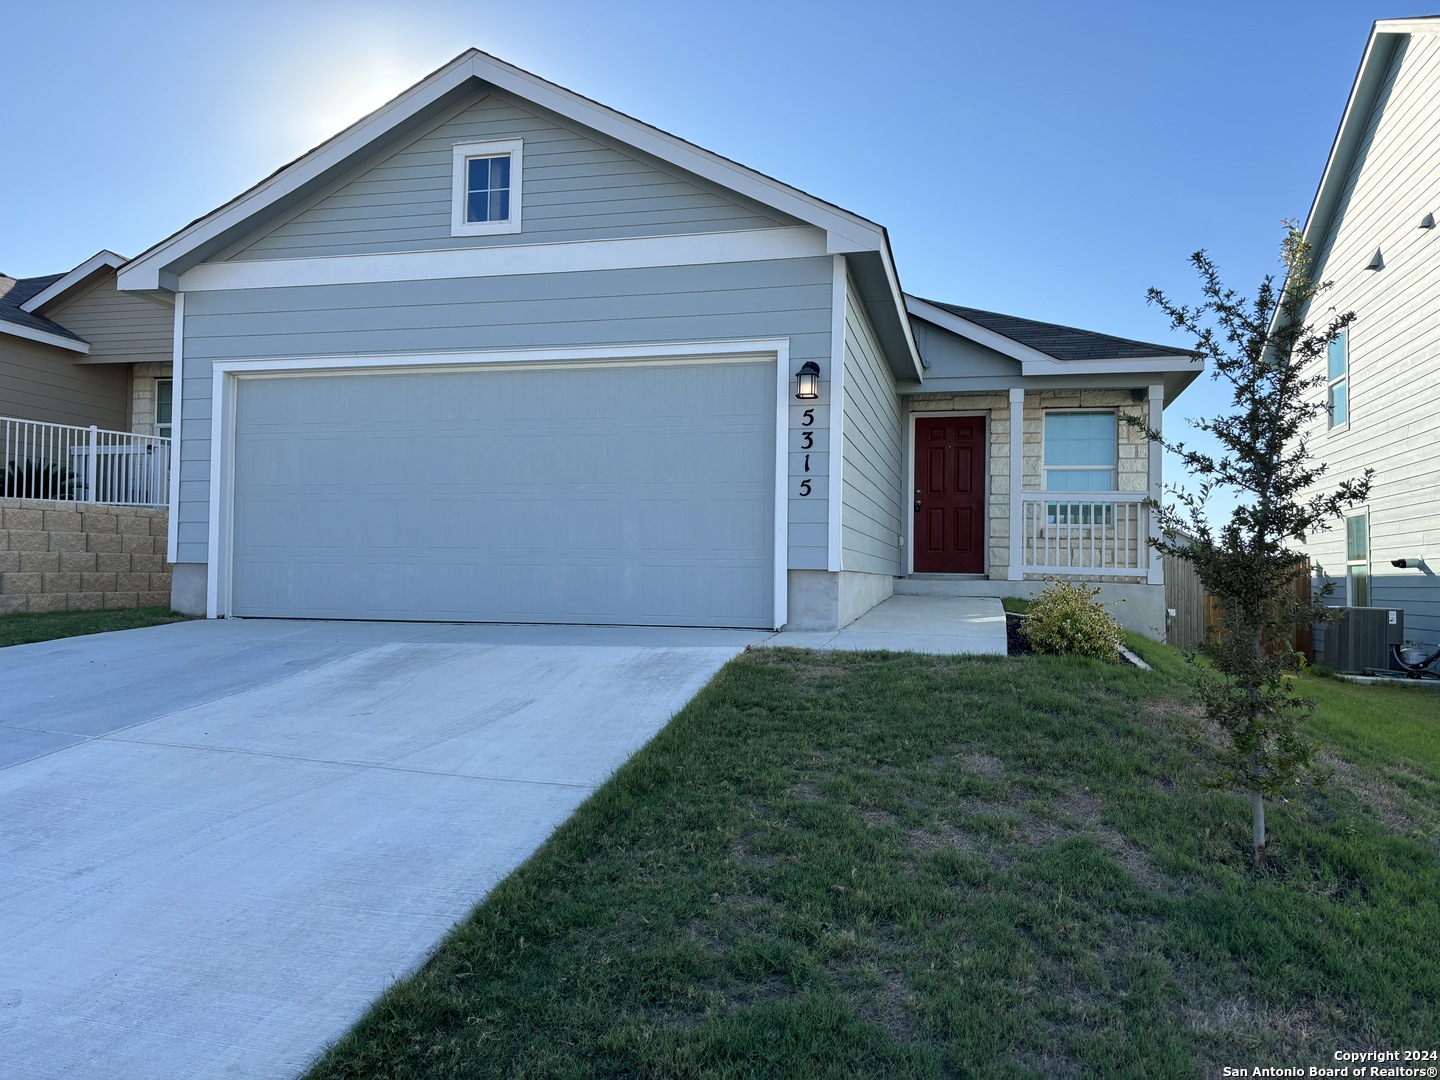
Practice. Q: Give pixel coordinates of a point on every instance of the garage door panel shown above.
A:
(614, 494)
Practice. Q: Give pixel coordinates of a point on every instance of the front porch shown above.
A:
(999, 511)
(996, 518)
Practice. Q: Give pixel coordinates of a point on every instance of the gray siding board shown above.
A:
(1394, 344)
(41, 382)
(787, 299)
(118, 326)
(949, 355)
(873, 470)
(576, 186)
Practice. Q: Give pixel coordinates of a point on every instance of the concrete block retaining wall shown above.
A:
(73, 556)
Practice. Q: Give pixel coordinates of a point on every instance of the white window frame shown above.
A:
(1073, 512)
(1351, 565)
(464, 152)
(171, 424)
(1331, 384)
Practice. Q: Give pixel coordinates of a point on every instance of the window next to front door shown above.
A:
(164, 406)
(1080, 455)
(950, 495)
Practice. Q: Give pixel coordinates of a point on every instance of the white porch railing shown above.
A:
(83, 464)
(1097, 533)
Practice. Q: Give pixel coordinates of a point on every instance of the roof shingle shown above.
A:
(15, 291)
(1061, 342)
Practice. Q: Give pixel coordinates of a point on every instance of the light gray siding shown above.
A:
(41, 382)
(1394, 344)
(120, 327)
(733, 301)
(951, 357)
(873, 475)
(577, 185)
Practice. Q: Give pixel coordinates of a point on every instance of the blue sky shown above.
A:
(1045, 159)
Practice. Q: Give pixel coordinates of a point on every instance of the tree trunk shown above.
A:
(1257, 815)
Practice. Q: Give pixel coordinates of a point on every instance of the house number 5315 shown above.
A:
(807, 442)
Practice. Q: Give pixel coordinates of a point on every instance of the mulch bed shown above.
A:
(1016, 643)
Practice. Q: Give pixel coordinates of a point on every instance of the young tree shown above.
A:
(1262, 348)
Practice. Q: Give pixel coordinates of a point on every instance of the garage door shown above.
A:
(639, 493)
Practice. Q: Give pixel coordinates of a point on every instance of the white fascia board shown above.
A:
(144, 271)
(677, 151)
(1156, 365)
(100, 260)
(1369, 77)
(974, 331)
(892, 276)
(1033, 362)
(1422, 24)
(756, 245)
(44, 336)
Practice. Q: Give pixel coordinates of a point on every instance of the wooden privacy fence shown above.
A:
(1197, 613)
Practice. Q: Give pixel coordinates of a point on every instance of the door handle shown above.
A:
(917, 506)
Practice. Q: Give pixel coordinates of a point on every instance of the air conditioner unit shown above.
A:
(1361, 637)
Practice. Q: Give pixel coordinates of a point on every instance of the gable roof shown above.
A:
(158, 268)
(1046, 350)
(1385, 38)
(62, 283)
(16, 321)
(1056, 341)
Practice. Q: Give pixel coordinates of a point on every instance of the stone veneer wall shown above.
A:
(72, 556)
(142, 394)
(1133, 461)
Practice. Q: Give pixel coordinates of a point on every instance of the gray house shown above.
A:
(76, 351)
(1372, 232)
(498, 352)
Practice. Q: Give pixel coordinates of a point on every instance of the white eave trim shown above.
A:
(56, 289)
(757, 245)
(845, 231)
(974, 331)
(1033, 362)
(1358, 106)
(1132, 365)
(31, 334)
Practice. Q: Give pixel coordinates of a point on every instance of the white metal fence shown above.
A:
(83, 464)
(1103, 533)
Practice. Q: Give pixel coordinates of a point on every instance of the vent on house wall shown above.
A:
(1377, 261)
(1428, 221)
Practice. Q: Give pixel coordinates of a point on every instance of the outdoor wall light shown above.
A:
(807, 381)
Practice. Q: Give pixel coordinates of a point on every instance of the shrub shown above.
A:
(32, 479)
(1066, 618)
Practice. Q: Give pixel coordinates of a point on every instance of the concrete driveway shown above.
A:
(219, 841)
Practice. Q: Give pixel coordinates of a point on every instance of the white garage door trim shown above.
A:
(226, 375)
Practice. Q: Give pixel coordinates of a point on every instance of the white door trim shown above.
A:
(226, 375)
(909, 507)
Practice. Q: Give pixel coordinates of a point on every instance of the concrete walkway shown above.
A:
(928, 624)
(220, 841)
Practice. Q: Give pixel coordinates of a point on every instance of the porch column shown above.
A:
(1156, 418)
(1017, 481)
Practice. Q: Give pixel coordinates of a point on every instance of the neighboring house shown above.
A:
(76, 351)
(1372, 232)
(500, 353)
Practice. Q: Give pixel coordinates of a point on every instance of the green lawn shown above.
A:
(875, 864)
(28, 629)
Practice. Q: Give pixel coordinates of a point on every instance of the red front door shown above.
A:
(950, 495)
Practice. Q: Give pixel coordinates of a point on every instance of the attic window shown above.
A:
(486, 188)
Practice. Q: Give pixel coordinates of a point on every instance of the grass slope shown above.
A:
(28, 629)
(876, 864)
